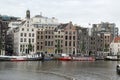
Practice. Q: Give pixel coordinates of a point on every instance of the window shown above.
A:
(22, 29)
(37, 37)
(41, 37)
(21, 40)
(45, 43)
(51, 43)
(41, 47)
(65, 43)
(66, 37)
(66, 32)
(32, 29)
(73, 32)
(74, 43)
(25, 34)
(48, 43)
(21, 34)
(55, 36)
(32, 34)
(29, 34)
(46, 32)
(70, 37)
(37, 47)
(70, 43)
(29, 40)
(41, 42)
(32, 40)
(48, 37)
(73, 37)
(24, 39)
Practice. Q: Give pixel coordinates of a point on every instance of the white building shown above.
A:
(23, 37)
(115, 46)
(25, 32)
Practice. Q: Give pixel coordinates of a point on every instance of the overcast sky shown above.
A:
(81, 12)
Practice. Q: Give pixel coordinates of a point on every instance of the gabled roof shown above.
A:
(62, 26)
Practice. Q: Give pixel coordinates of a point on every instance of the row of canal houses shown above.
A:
(43, 34)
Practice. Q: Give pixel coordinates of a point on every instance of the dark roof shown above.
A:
(61, 26)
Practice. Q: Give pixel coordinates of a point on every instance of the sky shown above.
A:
(80, 12)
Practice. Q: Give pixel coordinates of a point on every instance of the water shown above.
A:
(59, 70)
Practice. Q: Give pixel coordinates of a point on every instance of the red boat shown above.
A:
(78, 58)
(67, 58)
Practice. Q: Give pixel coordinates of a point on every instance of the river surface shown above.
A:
(59, 70)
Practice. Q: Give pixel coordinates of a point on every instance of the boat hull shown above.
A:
(17, 58)
(77, 59)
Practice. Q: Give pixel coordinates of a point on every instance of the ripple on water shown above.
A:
(25, 75)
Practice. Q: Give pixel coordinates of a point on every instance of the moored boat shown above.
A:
(65, 58)
(79, 58)
(76, 58)
(112, 58)
(21, 58)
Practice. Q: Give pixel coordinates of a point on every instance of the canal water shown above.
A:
(59, 70)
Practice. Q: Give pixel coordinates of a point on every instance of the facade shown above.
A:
(4, 21)
(24, 37)
(84, 40)
(59, 40)
(99, 44)
(115, 46)
(3, 29)
(37, 32)
(70, 38)
(45, 39)
(101, 36)
(105, 27)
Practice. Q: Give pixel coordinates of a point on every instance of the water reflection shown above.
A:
(98, 70)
